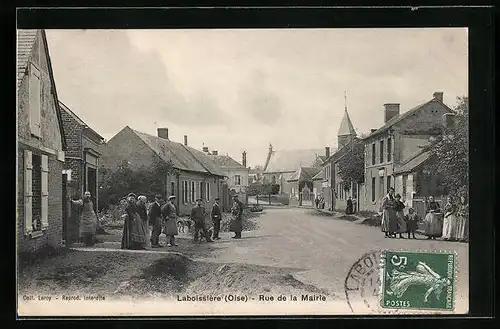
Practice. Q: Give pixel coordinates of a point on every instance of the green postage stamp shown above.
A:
(418, 280)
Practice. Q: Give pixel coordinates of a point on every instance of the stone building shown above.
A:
(398, 142)
(198, 176)
(82, 164)
(41, 195)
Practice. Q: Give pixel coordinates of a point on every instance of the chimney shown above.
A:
(185, 140)
(244, 159)
(162, 133)
(215, 153)
(205, 149)
(448, 120)
(438, 95)
(391, 111)
(327, 151)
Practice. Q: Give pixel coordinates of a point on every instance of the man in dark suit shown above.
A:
(216, 216)
(155, 220)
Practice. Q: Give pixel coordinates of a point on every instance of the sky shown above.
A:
(241, 90)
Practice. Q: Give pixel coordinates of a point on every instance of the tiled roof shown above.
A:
(346, 127)
(304, 173)
(343, 150)
(418, 159)
(182, 157)
(25, 41)
(77, 118)
(226, 162)
(290, 160)
(403, 116)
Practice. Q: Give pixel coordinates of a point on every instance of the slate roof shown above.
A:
(342, 151)
(346, 126)
(411, 164)
(226, 162)
(182, 157)
(403, 116)
(303, 173)
(290, 160)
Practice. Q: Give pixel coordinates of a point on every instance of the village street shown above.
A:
(318, 249)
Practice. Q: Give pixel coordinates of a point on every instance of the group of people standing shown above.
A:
(162, 217)
(453, 226)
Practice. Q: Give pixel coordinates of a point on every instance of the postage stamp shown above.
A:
(418, 280)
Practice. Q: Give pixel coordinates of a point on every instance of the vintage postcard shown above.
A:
(224, 172)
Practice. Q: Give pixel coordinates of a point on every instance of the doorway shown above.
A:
(91, 184)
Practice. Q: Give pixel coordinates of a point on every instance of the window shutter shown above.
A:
(28, 193)
(45, 192)
(35, 101)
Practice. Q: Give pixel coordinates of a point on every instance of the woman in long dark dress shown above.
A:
(350, 208)
(132, 237)
(433, 222)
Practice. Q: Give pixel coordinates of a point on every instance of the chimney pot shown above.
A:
(438, 95)
(244, 159)
(327, 151)
(205, 149)
(185, 140)
(391, 110)
(215, 152)
(162, 133)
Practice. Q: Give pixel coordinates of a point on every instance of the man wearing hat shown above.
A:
(198, 214)
(169, 213)
(237, 212)
(155, 221)
(216, 216)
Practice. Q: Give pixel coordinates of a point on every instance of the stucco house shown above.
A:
(81, 164)
(396, 148)
(198, 176)
(41, 195)
(280, 165)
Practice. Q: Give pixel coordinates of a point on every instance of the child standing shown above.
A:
(412, 220)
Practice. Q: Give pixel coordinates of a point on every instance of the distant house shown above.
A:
(237, 174)
(41, 198)
(301, 186)
(198, 176)
(395, 149)
(281, 165)
(318, 184)
(82, 163)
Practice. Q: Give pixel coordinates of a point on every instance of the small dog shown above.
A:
(184, 225)
(210, 232)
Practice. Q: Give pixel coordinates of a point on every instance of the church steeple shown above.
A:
(346, 131)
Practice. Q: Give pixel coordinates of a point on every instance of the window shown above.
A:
(35, 95)
(36, 193)
(293, 191)
(405, 181)
(172, 188)
(381, 151)
(193, 192)
(185, 193)
(381, 186)
(373, 189)
(207, 191)
(373, 153)
(388, 183)
(389, 149)
(200, 191)
(237, 180)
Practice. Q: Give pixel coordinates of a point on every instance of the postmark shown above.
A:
(418, 280)
(362, 284)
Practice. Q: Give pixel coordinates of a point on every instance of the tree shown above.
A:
(257, 188)
(352, 164)
(147, 180)
(451, 151)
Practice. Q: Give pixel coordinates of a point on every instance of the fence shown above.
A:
(419, 205)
